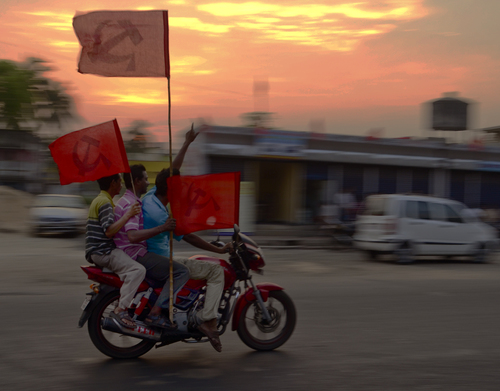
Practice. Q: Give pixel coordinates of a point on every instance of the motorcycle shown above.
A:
(263, 315)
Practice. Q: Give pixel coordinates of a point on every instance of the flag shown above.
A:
(204, 201)
(123, 43)
(90, 153)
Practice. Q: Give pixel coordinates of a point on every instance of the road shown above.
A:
(362, 325)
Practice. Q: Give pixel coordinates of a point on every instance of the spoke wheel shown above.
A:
(261, 335)
(113, 344)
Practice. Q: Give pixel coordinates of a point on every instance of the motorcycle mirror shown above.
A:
(236, 232)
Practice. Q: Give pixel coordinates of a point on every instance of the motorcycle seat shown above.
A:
(154, 283)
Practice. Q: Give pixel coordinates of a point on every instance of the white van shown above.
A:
(411, 225)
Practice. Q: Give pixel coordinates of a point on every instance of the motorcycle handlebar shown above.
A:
(217, 243)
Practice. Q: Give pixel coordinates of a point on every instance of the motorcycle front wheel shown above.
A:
(113, 344)
(261, 335)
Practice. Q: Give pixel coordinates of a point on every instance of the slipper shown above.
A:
(161, 322)
(122, 317)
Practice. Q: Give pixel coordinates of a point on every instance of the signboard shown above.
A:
(279, 143)
(449, 114)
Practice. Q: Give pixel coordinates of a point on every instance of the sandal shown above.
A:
(210, 330)
(216, 344)
(161, 322)
(123, 318)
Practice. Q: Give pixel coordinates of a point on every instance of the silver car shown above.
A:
(58, 214)
(411, 225)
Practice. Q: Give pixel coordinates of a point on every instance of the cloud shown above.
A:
(55, 15)
(65, 46)
(339, 27)
(198, 25)
(134, 97)
(53, 20)
(394, 10)
(330, 37)
(190, 64)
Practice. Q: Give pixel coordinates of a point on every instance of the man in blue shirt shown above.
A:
(154, 208)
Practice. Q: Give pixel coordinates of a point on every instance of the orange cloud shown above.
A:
(313, 25)
(197, 25)
(394, 10)
(137, 97)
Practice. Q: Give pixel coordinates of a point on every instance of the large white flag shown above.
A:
(123, 43)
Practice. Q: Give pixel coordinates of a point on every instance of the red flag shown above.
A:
(204, 201)
(123, 43)
(90, 153)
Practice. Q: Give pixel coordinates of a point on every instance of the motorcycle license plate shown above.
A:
(85, 303)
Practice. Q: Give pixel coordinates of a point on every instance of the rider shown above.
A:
(101, 250)
(132, 238)
(154, 207)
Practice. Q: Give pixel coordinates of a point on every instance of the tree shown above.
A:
(16, 86)
(29, 99)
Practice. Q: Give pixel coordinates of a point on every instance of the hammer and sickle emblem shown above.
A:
(84, 166)
(192, 202)
(100, 50)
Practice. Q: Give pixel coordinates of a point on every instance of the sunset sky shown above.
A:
(346, 67)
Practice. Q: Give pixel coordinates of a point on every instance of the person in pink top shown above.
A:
(132, 240)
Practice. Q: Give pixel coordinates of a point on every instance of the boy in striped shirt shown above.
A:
(101, 250)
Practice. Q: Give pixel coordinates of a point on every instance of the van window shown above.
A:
(375, 206)
(437, 211)
(452, 215)
(412, 209)
(423, 210)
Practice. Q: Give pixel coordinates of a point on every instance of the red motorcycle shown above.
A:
(263, 315)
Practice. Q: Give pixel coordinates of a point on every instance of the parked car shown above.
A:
(412, 225)
(58, 213)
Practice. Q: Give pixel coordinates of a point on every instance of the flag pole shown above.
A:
(132, 181)
(171, 302)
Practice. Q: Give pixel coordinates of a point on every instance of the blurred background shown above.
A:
(363, 101)
(289, 178)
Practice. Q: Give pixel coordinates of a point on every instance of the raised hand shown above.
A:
(191, 135)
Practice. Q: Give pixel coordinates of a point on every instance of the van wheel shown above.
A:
(404, 254)
(481, 254)
(372, 255)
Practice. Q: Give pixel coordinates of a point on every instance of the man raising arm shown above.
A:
(154, 207)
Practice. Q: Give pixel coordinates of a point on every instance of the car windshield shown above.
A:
(58, 202)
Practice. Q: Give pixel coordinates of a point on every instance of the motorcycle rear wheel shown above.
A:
(113, 344)
(260, 336)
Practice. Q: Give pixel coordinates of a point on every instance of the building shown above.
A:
(21, 160)
(291, 173)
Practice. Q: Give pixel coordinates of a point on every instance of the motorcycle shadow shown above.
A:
(189, 368)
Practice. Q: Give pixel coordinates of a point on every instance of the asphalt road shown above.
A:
(362, 325)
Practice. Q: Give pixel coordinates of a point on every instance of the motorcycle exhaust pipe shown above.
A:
(139, 331)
